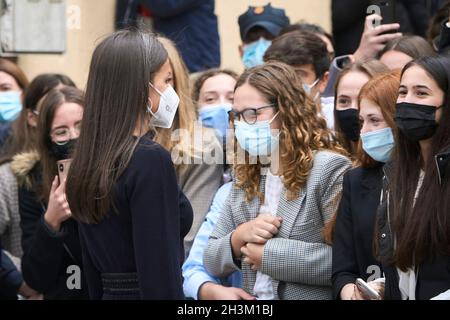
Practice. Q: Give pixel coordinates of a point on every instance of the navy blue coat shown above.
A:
(353, 256)
(191, 24)
(145, 235)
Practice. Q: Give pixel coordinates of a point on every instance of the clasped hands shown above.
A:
(249, 238)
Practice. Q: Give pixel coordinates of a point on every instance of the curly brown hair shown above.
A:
(303, 130)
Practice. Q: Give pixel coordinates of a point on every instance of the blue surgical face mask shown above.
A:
(254, 53)
(215, 117)
(309, 87)
(10, 106)
(257, 139)
(378, 144)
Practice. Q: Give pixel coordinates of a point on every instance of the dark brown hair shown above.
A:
(13, 70)
(370, 68)
(413, 46)
(117, 95)
(52, 101)
(422, 231)
(300, 48)
(23, 136)
(200, 80)
(382, 91)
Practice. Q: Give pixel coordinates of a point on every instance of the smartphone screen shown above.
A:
(63, 169)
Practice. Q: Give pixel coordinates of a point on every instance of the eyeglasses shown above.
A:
(249, 115)
(62, 135)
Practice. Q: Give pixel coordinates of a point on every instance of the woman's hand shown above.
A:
(257, 231)
(358, 295)
(374, 39)
(58, 209)
(253, 254)
(213, 291)
(347, 291)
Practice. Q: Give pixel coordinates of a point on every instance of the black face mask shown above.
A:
(349, 123)
(416, 121)
(63, 151)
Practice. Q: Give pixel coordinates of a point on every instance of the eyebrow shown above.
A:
(60, 127)
(420, 86)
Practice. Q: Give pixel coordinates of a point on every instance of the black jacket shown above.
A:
(10, 278)
(145, 235)
(354, 231)
(47, 255)
(444, 41)
(348, 25)
(434, 275)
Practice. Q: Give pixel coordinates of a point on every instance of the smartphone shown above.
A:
(387, 10)
(63, 169)
(366, 290)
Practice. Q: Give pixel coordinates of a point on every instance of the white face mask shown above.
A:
(168, 106)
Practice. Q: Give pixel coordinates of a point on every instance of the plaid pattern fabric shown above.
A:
(297, 259)
(10, 231)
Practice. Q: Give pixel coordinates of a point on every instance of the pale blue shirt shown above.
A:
(194, 273)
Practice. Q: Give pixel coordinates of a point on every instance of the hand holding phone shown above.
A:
(63, 169)
(366, 290)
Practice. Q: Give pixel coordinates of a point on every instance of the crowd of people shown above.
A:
(322, 166)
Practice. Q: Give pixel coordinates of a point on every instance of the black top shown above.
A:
(146, 235)
(354, 231)
(48, 257)
(10, 278)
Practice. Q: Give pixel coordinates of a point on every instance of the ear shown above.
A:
(32, 119)
(324, 82)
(241, 50)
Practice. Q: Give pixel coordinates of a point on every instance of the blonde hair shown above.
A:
(303, 131)
(186, 116)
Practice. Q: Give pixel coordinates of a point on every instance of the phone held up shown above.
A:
(366, 290)
(386, 9)
(63, 169)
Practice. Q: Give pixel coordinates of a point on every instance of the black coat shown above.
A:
(145, 235)
(354, 231)
(434, 275)
(10, 278)
(348, 24)
(48, 255)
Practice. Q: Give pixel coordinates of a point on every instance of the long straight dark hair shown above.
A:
(422, 231)
(122, 66)
(23, 136)
(52, 101)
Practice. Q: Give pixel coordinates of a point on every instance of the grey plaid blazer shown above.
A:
(297, 259)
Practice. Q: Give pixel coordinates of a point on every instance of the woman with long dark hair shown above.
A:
(50, 242)
(413, 237)
(122, 186)
(23, 139)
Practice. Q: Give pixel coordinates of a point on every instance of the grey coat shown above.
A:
(200, 181)
(297, 259)
(10, 231)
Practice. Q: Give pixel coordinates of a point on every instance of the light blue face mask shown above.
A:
(254, 53)
(378, 144)
(257, 139)
(309, 87)
(215, 117)
(10, 106)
